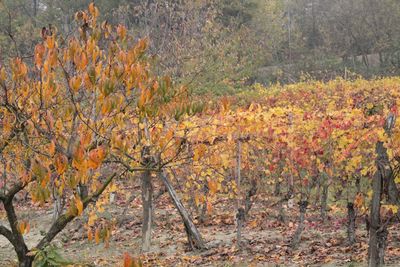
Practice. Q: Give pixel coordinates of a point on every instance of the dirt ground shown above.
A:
(265, 240)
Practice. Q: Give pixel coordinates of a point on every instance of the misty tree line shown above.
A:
(224, 45)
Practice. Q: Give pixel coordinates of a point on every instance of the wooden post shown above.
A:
(194, 237)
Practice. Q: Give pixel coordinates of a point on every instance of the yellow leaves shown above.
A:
(75, 83)
(199, 199)
(393, 208)
(353, 164)
(23, 227)
(364, 171)
(381, 135)
(96, 157)
(199, 152)
(113, 188)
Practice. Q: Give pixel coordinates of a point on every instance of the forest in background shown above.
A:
(223, 46)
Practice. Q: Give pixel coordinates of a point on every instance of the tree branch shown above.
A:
(4, 231)
(64, 219)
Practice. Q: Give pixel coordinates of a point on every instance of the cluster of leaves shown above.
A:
(301, 134)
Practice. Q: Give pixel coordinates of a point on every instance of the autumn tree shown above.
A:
(86, 112)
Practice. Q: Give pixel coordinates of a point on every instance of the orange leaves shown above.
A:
(79, 158)
(50, 42)
(131, 262)
(76, 206)
(96, 157)
(52, 147)
(359, 200)
(121, 32)
(144, 98)
(19, 69)
(39, 54)
(212, 186)
(61, 163)
(90, 235)
(80, 60)
(79, 205)
(103, 233)
(23, 227)
(3, 74)
(75, 83)
(93, 10)
(97, 235)
(225, 104)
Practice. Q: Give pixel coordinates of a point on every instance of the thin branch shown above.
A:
(66, 218)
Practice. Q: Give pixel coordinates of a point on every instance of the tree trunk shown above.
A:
(297, 235)
(351, 224)
(324, 199)
(27, 261)
(16, 237)
(378, 232)
(147, 200)
(239, 223)
(194, 237)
